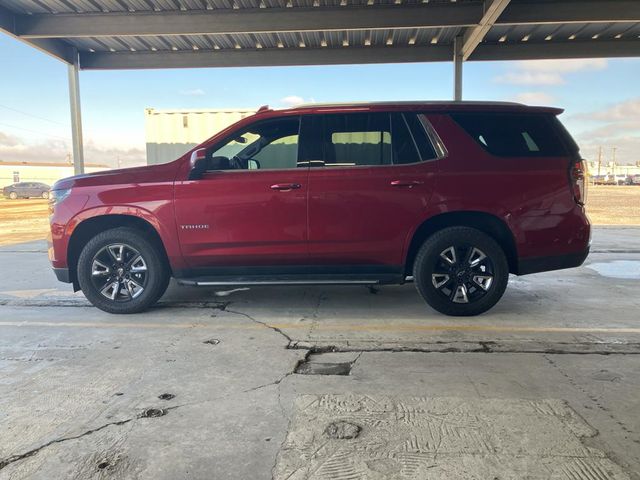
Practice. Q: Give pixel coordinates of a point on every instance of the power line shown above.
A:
(33, 116)
(66, 139)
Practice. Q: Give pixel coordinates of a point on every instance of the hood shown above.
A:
(135, 175)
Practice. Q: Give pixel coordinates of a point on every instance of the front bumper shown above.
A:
(556, 262)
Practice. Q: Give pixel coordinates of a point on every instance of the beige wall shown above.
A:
(171, 133)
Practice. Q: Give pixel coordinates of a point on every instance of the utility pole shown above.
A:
(613, 166)
(599, 161)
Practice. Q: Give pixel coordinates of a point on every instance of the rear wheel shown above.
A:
(461, 271)
(13, 195)
(121, 271)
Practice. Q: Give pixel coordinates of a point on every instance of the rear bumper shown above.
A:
(62, 274)
(555, 262)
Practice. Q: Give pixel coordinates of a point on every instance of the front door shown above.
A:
(253, 212)
(371, 188)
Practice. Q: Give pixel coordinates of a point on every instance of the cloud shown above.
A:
(196, 92)
(293, 100)
(563, 66)
(534, 98)
(548, 72)
(7, 140)
(627, 148)
(612, 130)
(15, 149)
(616, 125)
(530, 78)
(627, 111)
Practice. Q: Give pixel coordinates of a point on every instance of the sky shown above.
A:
(601, 98)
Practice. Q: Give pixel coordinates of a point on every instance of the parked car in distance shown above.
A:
(619, 179)
(609, 180)
(599, 180)
(456, 195)
(26, 190)
(633, 180)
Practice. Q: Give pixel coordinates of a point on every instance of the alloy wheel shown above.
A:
(119, 272)
(464, 274)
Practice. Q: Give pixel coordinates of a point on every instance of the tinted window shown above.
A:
(357, 139)
(370, 139)
(514, 135)
(406, 139)
(267, 145)
(422, 140)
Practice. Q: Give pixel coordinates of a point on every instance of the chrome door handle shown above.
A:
(406, 183)
(284, 187)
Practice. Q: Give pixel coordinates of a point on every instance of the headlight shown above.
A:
(57, 196)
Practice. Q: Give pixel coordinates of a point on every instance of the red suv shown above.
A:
(455, 195)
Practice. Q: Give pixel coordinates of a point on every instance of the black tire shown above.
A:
(151, 273)
(13, 196)
(463, 288)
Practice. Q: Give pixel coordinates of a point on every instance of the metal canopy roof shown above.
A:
(116, 34)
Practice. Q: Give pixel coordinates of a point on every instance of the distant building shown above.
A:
(172, 133)
(45, 172)
(609, 168)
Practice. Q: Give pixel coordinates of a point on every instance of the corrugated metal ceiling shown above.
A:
(329, 39)
(104, 6)
(358, 38)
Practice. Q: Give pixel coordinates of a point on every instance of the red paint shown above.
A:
(349, 216)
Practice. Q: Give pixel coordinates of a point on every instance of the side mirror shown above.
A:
(198, 164)
(201, 163)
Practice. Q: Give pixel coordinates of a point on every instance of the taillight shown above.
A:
(578, 179)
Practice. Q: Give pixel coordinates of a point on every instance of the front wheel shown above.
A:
(461, 271)
(121, 271)
(45, 195)
(13, 195)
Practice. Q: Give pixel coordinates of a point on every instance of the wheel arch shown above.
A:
(88, 228)
(487, 223)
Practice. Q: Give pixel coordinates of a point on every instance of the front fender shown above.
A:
(161, 220)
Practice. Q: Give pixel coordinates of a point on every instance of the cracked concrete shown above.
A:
(74, 380)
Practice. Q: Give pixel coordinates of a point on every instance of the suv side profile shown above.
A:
(26, 190)
(454, 195)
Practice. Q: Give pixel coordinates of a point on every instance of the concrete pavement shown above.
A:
(79, 389)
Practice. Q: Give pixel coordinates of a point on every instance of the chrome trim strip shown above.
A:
(436, 141)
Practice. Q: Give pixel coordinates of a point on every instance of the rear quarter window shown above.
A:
(516, 134)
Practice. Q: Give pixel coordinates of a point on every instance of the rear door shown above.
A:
(370, 188)
(253, 213)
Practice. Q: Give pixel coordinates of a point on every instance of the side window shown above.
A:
(404, 144)
(373, 139)
(420, 136)
(281, 153)
(357, 139)
(266, 145)
(513, 134)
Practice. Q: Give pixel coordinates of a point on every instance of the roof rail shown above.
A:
(405, 102)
